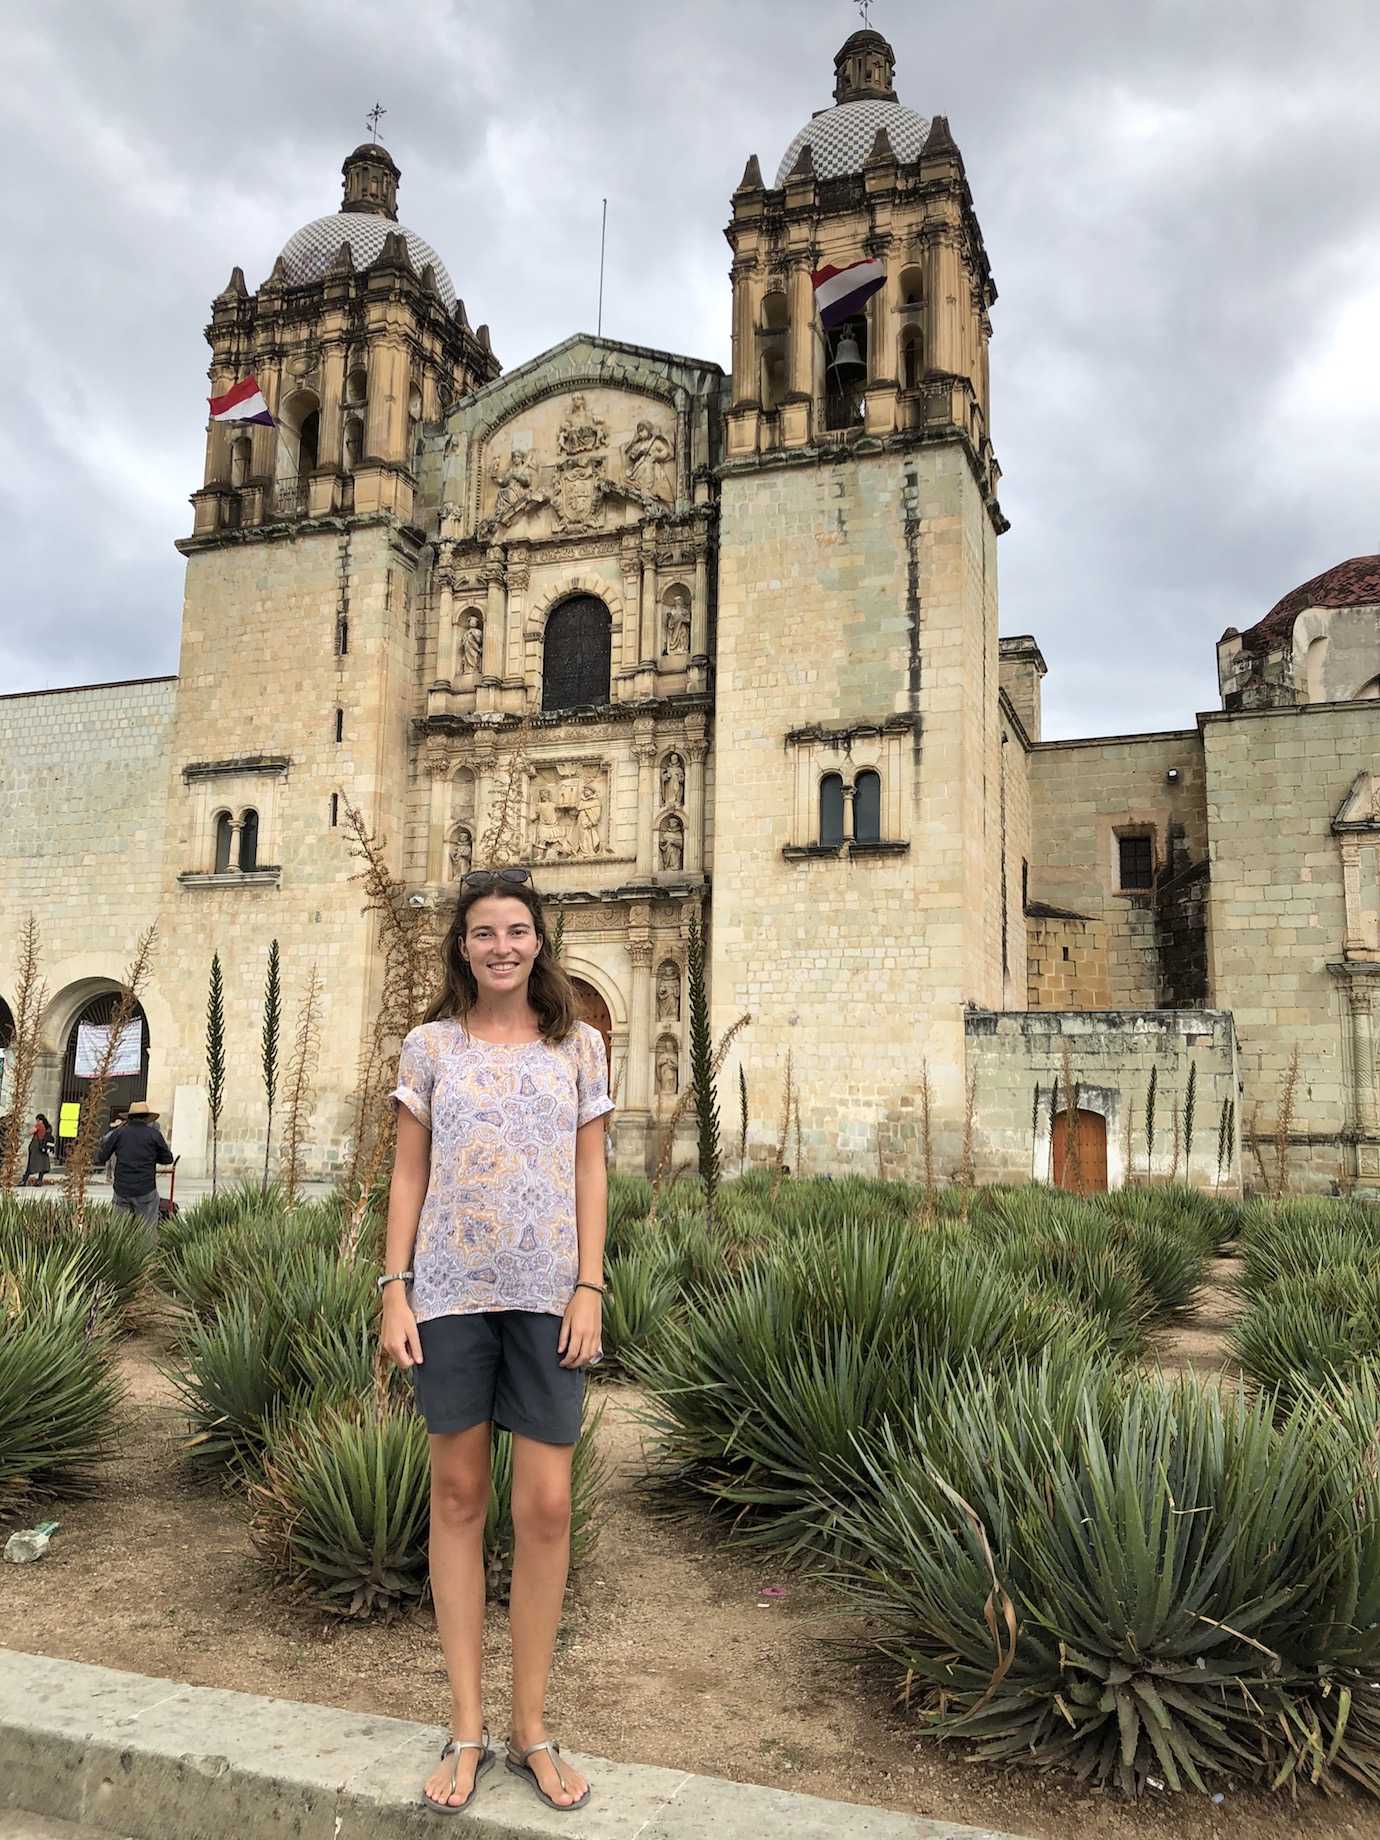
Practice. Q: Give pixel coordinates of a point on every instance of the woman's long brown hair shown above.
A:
(549, 991)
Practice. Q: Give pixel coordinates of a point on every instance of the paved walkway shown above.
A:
(155, 1760)
(189, 1189)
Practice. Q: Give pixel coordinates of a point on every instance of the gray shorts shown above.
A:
(498, 1366)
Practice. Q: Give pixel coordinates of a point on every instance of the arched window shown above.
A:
(867, 808)
(845, 373)
(241, 453)
(357, 386)
(912, 358)
(249, 839)
(1369, 693)
(354, 441)
(577, 655)
(912, 286)
(831, 809)
(223, 834)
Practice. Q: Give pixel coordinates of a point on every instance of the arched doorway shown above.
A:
(1085, 1171)
(577, 652)
(6, 1043)
(595, 1012)
(121, 1088)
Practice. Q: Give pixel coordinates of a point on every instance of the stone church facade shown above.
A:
(718, 644)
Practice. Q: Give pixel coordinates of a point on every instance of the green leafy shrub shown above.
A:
(341, 1510)
(1300, 1237)
(757, 1382)
(642, 1286)
(1309, 1330)
(1130, 1583)
(248, 1256)
(59, 1391)
(112, 1254)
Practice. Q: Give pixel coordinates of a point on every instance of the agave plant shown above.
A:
(1151, 1591)
(1310, 1331)
(1302, 1237)
(642, 1287)
(341, 1510)
(110, 1256)
(59, 1392)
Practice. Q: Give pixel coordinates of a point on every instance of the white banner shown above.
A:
(91, 1045)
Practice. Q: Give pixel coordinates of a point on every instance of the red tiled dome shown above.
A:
(1349, 584)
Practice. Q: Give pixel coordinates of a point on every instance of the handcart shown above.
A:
(167, 1206)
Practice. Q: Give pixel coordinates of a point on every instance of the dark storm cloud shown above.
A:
(1178, 201)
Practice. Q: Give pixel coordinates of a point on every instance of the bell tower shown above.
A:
(857, 832)
(303, 621)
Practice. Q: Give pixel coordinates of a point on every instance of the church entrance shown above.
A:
(595, 1012)
(1085, 1171)
(85, 1040)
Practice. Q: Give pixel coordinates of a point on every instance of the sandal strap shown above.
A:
(553, 1750)
(465, 1744)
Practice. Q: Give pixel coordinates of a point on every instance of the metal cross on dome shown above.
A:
(864, 6)
(373, 118)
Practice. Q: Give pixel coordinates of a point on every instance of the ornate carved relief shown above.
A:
(576, 483)
(649, 463)
(676, 624)
(570, 812)
(459, 850)
(667, 1067)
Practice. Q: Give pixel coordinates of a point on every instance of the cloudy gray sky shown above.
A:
(1179, 199)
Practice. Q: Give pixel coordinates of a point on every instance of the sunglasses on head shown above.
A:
(514, 878)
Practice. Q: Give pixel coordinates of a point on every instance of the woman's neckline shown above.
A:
(484, 1041)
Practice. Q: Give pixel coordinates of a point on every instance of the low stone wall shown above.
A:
(1017, 1058)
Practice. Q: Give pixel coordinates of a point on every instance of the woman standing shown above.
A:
(493, 1294)
(40, 1153)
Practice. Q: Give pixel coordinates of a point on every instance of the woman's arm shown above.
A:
(406, 1193)
(582, 1329)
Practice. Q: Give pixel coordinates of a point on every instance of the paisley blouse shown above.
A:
(497, 1228)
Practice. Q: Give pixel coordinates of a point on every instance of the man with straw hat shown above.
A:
(138, 1147)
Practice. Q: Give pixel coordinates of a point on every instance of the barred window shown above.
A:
(1136, 861)
(578, 654)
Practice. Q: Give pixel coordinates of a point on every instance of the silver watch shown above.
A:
(392, 1277)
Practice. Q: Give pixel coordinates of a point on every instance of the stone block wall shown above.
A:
(1111, 1056)
(83, 785)
(1066, 961)
(850, 593)
(1275, 781)
(1083, 795)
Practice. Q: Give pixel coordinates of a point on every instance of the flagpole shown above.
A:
(603, 227)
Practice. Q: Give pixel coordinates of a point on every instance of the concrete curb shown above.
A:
(155, 1760)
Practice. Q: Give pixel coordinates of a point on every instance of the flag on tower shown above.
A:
(245, 403)
(840, 292)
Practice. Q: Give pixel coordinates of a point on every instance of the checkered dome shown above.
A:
(841, 138)
(309, 252)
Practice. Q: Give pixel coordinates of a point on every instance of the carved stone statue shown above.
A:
(472, 644)
(460, 850)
(668, 992)
(667, 1069)
(673, 844)
(647, 462)
(581, 432)
(514, 484)
(677, 626)
(589, 813)
(550, 842)
(673, 780)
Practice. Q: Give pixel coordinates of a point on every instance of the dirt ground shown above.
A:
(670, 1653)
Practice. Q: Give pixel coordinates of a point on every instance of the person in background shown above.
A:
(139, 1148)
(40, 1158)
(117, 1118)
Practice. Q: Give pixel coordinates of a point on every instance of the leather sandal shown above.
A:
(453, 1749)
(517, 1763)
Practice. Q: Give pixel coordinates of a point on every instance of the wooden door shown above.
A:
(595, 1012)
(1086, 1170)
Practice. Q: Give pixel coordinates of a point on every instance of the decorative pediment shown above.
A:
(1360, 809)
(576, 474)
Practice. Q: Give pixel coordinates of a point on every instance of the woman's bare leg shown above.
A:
(459, 1502)
(541, 1562)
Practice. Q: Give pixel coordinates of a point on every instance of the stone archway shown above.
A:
(121, 1088)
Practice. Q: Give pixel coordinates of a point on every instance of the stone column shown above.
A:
(495, 609)
(447, 632)
(330, 445)
(631, 565)
(1363, 1055)
(800, 338)
(745, 385)
(438, 766)
(695, 751)
(640, 1023)
(647, 620)
(1355, 937)
(699, 612)
(682, 453)
(518, 577)
(645, 750)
